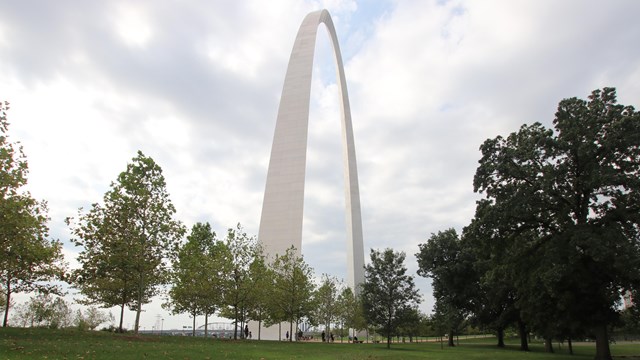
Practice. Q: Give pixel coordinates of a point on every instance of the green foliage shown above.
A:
(262, 280)
(450, 265)
(28, 260)
(293, 289)
(350, 311)
(198, 274)
(242, 251)
(325, 303)
(388, 292)
(44, 310)
(91, 318)
(127, 239)
(562, 215)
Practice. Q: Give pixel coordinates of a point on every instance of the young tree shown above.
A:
(293, 288)
(325, 300)
(262, 280)
(127, 239)
(91, 318)
(388, 291)
(198, 274)
(350, 311)
(192, 271)
(105, 277)
(28, 260)
(242, 251)
(43, 310)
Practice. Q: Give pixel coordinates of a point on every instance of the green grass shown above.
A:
(16, 343)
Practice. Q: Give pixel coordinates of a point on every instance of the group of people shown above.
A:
(324, 339)
(299, 335)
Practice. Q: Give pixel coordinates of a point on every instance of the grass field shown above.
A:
(17, 343)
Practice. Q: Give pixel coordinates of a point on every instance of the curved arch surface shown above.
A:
(282, 208)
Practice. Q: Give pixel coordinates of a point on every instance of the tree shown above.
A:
(127, 239)
(350, 310)
(91, 318)
(388, 291)
(242, 250)
(43, 310)
(198, 274)
(455, 284)
(410, 323)
(106, 275)
(293, 288)
(262, 280)
(495, 305)
(325, 300)
(569, 203)
(28, 260)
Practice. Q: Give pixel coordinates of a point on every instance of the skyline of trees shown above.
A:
(553, 238)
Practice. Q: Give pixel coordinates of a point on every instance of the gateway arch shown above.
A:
(282, 208)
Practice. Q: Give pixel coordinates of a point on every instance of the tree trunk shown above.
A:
(259, 328)
(139, 304)
(290, 331)
(138, 310)
(193, 327)
(389, 341)
(235, 322)
(450, 343)
(206, 324)
(548, 345)
(570, 346)
(500, 337)
(524, 344)
(6, 307)
(121, 317)
(602, 343)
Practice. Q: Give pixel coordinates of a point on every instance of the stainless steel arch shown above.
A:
(282, 209)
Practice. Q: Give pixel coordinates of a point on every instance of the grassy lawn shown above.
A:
(18, 343)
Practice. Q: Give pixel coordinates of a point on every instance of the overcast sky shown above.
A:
(196, 85)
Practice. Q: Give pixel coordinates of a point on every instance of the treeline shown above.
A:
(132, 248)
(554, 243)
(555, 240)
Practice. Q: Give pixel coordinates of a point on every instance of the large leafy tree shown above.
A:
(198, 274)
(450, 265)
(28, 260)
(127, 239)
(569, 205)
(388, 292)
(293, 289)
